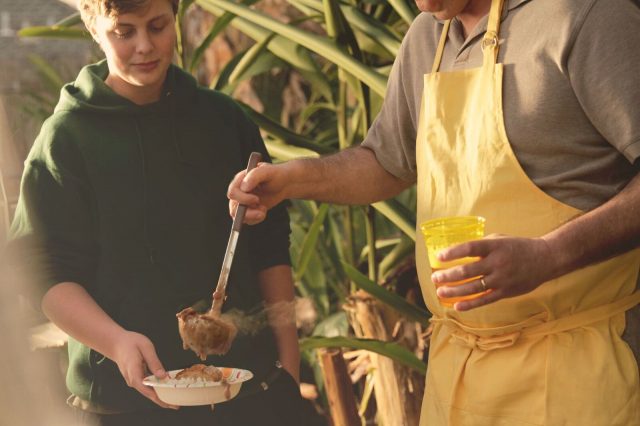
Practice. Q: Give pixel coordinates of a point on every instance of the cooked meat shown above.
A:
(201, 371)
(205, 334)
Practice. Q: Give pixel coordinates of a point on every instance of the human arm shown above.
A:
(71, 307)
(352, 176)
(276, 286)
(513, 266)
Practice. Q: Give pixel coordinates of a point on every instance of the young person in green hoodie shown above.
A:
(123, 210)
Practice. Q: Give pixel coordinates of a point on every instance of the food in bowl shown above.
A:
(196, 385)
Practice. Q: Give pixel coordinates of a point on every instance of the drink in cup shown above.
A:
(445, 232)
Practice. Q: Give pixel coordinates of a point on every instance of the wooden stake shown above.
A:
(342, 402)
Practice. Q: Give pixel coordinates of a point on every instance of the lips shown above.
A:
(147, 66)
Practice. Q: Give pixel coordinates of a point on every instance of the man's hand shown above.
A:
(259, 190)
(509, 266)
(135, 355)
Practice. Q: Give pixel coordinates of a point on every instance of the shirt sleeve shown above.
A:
(392, 136)
(53, 234)
(603, 67)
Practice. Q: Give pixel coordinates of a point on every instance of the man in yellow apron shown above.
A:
(543, 346)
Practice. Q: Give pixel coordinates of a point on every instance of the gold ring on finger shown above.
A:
(484, 284)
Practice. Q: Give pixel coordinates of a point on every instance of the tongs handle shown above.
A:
(254, 159)
(219, 294)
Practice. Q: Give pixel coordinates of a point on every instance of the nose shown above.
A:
(144, 44)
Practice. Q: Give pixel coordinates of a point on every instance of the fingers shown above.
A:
(460, 273)
(477, 248)
(135, 371)
(256, 212)
(240, 193)
(253, 215)
(489, 297)
(151, 360)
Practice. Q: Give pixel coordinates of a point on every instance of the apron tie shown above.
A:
(492, 338)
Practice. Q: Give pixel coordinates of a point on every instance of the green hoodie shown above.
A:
(130, 202)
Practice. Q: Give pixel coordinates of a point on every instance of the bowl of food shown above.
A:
(199, 385)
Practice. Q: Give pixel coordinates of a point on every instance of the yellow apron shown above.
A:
(551, 357)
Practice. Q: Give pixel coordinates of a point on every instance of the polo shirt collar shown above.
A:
(455, 33)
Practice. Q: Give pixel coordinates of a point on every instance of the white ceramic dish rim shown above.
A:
(238, 375)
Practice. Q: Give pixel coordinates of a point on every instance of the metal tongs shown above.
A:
(212, 333)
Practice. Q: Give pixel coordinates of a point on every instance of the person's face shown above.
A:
(442, 9)
(138, 46)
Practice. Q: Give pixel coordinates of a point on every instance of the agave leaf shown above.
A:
(310, 241)
(406, 247)
(221, 23)
(313, 42)
(284, 152)
(52, 79)
(285, 49)
(365, 24)
(55, 32)
(183, 6)
(69, 21)
(394, 351)
(403, 307)
(381, 244)
(314, 283)
(249, 58)
(403, 9)
(280, 132)
(399, 215)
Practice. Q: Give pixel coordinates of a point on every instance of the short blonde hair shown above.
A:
(90, 9)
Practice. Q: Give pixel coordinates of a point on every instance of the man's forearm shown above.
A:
(602, 233)
(70, 307)
(276, 286)
(352, 176)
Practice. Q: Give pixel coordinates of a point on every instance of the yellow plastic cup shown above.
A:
(445, 232)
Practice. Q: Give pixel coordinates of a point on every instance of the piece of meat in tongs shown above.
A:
(212, 332)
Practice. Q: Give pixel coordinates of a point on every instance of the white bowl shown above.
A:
(199, 392)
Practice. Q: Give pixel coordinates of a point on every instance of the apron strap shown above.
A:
(490, 44)
(534, 327)
(489, 41)
(441, 43)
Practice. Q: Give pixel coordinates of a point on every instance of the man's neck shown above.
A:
(472, 14)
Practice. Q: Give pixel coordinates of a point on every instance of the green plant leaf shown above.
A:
(405, 248)
(394, 351)
(69, 21)
(50, 76)
(403, 9)
(221, 23)
(398, 214)
(249, 58)
(55, 32)
(285, 49)
(313, 42)
(310, 240)
(280, 132)
(403, 307)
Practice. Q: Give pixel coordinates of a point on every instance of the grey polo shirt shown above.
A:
(571, 97)
(571, 93)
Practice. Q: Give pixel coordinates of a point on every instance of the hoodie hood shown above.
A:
(89, 92)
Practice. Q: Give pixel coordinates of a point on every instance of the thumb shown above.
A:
(255, 177)
(152, 361)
